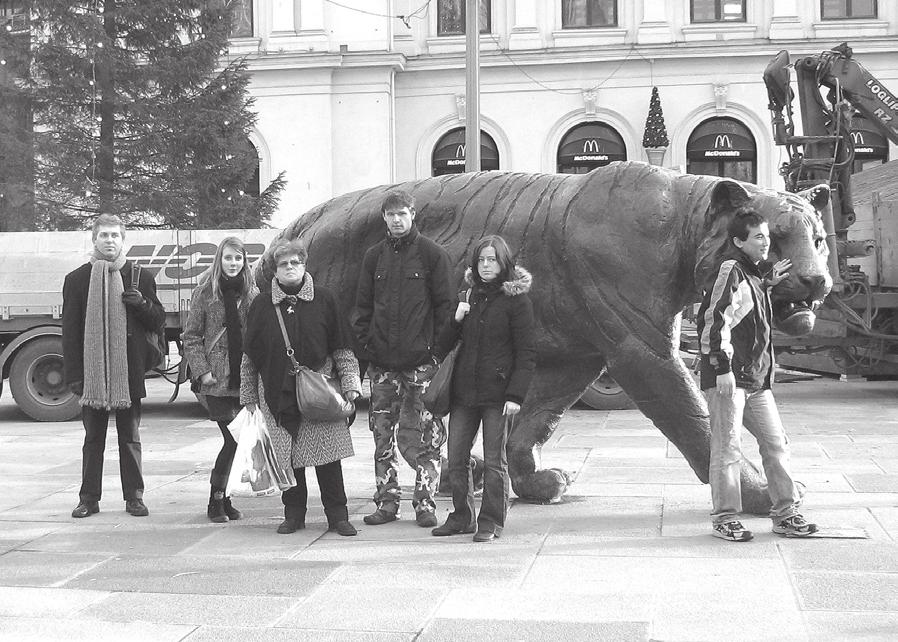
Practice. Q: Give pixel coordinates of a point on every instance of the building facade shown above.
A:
(356, 93)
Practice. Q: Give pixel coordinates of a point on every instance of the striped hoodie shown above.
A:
(734, 326)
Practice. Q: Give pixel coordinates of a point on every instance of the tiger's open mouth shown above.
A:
(795, 317)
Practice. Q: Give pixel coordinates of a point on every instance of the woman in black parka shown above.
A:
(494, 321)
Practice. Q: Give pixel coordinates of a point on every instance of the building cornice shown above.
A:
(316, 60)
(759, 48)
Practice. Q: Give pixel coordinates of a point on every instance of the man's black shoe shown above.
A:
(136, 507)
(84, 509)
(291, 525)
(343, 528)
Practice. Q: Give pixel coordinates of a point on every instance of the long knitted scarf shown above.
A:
(106, 337)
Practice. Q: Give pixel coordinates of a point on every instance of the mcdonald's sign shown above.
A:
(723, 140)
(868, 143)
(590, 146)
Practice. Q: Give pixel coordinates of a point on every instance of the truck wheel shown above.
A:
(605, 394)
(37, 382)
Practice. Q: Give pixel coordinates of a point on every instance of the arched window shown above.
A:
(449, 153)
(253, 183)
(242, 19)
(722, 147)
(589, 145)
(870, 146)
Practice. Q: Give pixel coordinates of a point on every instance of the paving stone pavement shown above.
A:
(627, 555)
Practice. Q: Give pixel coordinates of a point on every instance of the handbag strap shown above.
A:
(215, 340)
(290, 352)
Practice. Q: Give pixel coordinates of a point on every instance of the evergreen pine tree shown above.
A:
(138, 112)
(655, 131)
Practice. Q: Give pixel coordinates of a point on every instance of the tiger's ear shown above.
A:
(726, 197)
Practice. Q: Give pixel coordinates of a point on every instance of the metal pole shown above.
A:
(472, 86)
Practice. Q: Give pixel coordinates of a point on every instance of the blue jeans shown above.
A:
(762, 419)
(464, 423)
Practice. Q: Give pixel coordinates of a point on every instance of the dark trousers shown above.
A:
(333, 494)
(222, 469)
(96, 422)
(464, 422)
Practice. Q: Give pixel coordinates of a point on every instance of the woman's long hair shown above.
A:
(503, 258)
(213, 274)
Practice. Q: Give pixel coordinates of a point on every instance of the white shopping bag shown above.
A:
(255, 471)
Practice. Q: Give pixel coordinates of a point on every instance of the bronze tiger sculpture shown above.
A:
(616, 255)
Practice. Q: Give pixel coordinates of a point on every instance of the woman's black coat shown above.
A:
(497, 357)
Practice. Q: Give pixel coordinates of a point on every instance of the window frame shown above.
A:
(484, 28)
(249, 4)
(611, 25)
(848, 11)
(718, 13)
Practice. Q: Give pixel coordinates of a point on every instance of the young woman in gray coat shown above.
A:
(213, 346)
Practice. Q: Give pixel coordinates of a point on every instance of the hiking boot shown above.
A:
(732, 531)
(216, 510)
(426, 519)
(84, 509)
(450, 529)
(381, 516)
(794, 526)
(291, 525)
(232, 513)
(136, 507)
(343, 527)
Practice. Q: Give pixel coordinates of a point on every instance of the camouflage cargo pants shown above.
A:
(398, 419)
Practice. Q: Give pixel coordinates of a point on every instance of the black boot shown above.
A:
(232, 513)
(294, 520)
(216, 510)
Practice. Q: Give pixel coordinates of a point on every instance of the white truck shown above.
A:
(32, 268)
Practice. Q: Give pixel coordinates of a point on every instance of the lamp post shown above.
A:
(472, 86)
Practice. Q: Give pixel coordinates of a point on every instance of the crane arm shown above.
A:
(865, 93)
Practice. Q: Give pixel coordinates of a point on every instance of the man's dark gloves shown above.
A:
(133, 298)
(77, 387)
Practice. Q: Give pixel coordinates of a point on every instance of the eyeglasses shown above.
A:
(290, 263)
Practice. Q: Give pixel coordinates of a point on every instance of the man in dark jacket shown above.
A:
(734, 329)
(404, 299)
(104, 345)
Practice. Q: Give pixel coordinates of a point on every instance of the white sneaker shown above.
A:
(732, 531)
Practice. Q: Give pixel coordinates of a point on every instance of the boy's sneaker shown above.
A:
(795, 526)
(732, 531)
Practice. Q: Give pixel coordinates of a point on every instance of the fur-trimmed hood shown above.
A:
(519, 284)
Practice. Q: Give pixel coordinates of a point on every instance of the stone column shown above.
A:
(654, 27)
(785, 22)
(525, 32)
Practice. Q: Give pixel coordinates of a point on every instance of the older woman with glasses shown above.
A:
(321, 341)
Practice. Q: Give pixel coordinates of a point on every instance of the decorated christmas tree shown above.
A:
(655, 131)
(137, 111)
